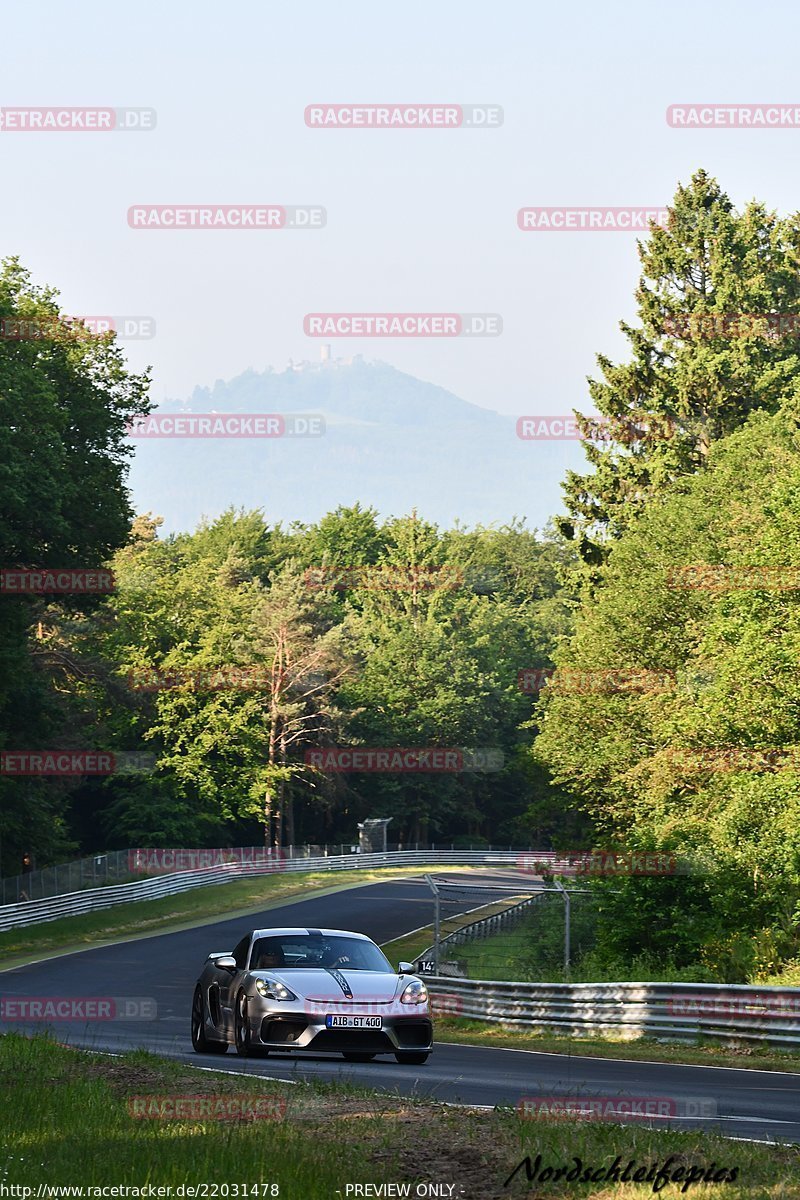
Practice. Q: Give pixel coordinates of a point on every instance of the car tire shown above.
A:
(357, 1056)
(413, 1058)
(200, 1043)
(241, 1027)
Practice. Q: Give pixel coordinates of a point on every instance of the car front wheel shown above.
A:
(241, 1027)
(202, 1044)
(415, 1059)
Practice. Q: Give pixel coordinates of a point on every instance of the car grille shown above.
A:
(372, 1041)
(347, 1005)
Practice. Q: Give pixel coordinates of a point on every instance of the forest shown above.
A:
(626, 678)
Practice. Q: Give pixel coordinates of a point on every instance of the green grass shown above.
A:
(66, 1119)
(533, 951)
(413, 945)
(503, 956)
(409, 948)
(69, 1122)
(703, 1053)
(145, 917)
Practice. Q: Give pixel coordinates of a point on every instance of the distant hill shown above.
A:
(391, 441)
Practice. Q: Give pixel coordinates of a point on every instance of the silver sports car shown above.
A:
(318, 990)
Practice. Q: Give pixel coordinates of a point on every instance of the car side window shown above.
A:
(240, 952)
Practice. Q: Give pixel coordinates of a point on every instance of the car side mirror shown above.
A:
(226, 963)
(405, 968)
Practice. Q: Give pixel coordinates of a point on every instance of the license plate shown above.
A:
(340, 1021)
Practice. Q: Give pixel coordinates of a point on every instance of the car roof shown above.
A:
(306, 931)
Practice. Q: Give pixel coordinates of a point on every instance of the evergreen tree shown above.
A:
(719, 310)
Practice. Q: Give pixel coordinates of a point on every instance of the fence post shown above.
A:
(565, 893)
(436, 922)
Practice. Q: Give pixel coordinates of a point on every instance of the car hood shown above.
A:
(314, 983)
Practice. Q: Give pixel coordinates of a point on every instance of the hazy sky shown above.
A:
(417, 220)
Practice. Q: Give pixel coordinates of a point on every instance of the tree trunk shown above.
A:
(287, 800)
(276, 684)
(268, 817)
(279, 818)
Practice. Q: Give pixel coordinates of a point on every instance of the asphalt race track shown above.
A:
(758, 1105)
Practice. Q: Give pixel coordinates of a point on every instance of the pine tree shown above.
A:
(719, 335)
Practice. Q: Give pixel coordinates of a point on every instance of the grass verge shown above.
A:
(533, 950)
(702, 1054)
(505, 955)
(413, 945)
(68, 1118)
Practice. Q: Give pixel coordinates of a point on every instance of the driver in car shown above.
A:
(271, 957)
(331, 958)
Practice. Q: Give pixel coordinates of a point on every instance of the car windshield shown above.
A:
(305, 950)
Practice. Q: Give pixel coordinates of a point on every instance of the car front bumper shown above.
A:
(296, 1030)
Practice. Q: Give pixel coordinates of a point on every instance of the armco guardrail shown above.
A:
(108, 867)
(629, 1010)
(34, 912)
(486, 926)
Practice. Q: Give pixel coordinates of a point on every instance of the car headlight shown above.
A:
(273, 989)
(415, 993)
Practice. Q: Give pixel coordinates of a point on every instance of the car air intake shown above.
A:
(413, 1033)
(282, 1031)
